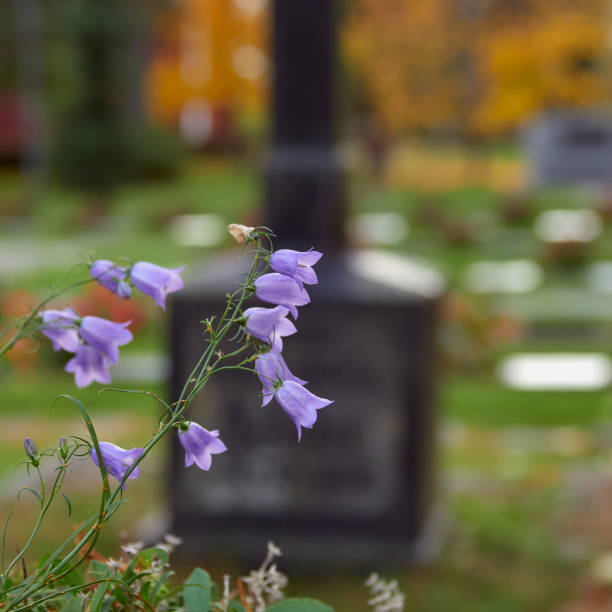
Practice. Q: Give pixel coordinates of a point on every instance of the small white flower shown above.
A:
(386, 595)
(113, 564)
(132, 549)
(265, 584)
(173, 540)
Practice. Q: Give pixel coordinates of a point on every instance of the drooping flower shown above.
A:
(300, 404)
(87, 365)
(269, 325)
(239, 233)
(117, 460)
(113, 277)
(271, 368)
(155, 281)
(200, 444)
(296, 264)
(60, 326)
(280, 289)
(105, 336)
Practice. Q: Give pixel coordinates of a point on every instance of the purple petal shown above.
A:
(285, 261)
(279, 289)
(156, 281)
(300, 404)
(107, 274)
(60, 327)
(199, 445)
(105, 335)
(269, 325)
(117, 460)
(271, 368)
(88, 365)
(309, 258)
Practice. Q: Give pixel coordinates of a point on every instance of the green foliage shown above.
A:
(197, 591)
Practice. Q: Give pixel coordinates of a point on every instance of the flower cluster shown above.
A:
(94, 341)
(386, 596)
(152, 280)
(284, 287)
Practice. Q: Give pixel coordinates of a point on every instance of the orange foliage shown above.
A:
(209, 51)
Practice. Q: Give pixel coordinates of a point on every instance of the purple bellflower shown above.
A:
(105, 336)
(113, 277)
(300, 404)
(87, 365)
(296, 264)
(117, 460)
(200, 444)
(60, 327)
(155, 281)
(269, 325)
(280, 289)
(271, 368)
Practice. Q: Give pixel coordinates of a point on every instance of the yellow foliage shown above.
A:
(476, 68)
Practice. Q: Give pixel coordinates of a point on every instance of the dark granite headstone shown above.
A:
(358, 489)
(570, 147)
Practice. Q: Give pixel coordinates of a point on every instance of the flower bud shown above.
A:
(240, 233)
(63, 447)
(31, 451)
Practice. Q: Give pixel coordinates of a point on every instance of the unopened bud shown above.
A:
(31, 450)
(239, 232)
(63, 447)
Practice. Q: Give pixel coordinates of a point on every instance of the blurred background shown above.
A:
(478, 140)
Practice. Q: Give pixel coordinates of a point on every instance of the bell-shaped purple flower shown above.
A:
(105, 336)
(296, 264)
(271, 368)
(156, 281)
(200, 444)
(117, 460)
(280, 289)
(60, 326)
(269, 325)
(111, 276)
(300, 404)
(87, 365)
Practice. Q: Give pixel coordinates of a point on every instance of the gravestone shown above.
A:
(359, 487)
(570, 147)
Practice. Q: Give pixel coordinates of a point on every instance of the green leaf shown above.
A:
(300, 605)
(71, 604)
(149, 555)
(98, 598)
(98, 569)
(235, 606)
(69, 504)
(196, 593)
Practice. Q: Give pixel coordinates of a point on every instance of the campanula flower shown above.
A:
(60, 327)
(30, 448)
(269, 325)
(280, 289)
(105, 336)
(200, 444)
(113, 277)
(155, 281)
(89, 364)
(296, 264)
(271, 368)
(117, 460)
(299, 403)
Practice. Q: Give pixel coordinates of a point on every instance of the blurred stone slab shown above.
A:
(556, 371)
(570, 147)
(512, 276)
(359, 488)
